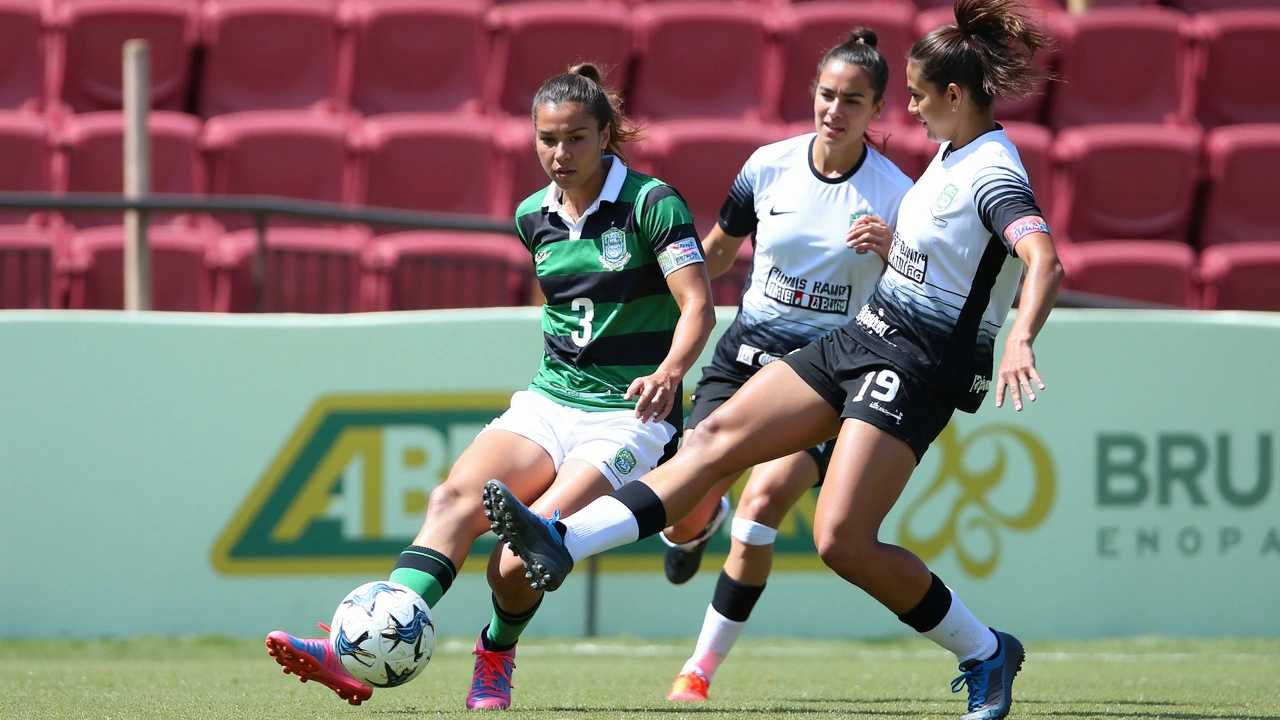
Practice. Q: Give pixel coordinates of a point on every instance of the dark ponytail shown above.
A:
(988, 51)
(584, 84)
(859, 49)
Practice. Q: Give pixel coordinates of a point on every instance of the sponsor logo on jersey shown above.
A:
(945, 198)
(775, 211)
(624, 461)
(541, 255)
(678, 254)
(1024, 226)
(908, 261)
(815, 295)
(614, 253)
(755, 357)
(872, 322)
(980, 384)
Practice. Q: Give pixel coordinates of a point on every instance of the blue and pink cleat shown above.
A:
(491, 679)
(314, 659)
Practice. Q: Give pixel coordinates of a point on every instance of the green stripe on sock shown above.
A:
(505, 628)
(420, 582)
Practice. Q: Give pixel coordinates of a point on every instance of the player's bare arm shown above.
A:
(1039, 292)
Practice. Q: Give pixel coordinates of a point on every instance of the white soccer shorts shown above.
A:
(613, 441)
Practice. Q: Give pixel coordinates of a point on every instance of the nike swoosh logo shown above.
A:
(774, 211)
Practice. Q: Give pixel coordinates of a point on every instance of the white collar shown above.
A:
(608, 193)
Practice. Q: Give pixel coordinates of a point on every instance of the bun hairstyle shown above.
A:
(584, 84)
(988, 51)
(859, 49)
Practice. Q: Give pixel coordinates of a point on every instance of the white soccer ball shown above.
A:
(383, 634)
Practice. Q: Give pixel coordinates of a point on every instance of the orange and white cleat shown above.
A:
(689, 687)
(314, 659)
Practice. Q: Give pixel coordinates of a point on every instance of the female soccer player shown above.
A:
(799, 197)
(887, 383)
(628, 310)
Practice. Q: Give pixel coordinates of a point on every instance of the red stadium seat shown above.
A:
(91, 158)
(727, 289)
(422, 270)
(1142, 270)
(93, 31)
(23, 49)
(25, 149)
(1034, 144)
(1125, 181)
(412, 56)
(701, 158)
(1231, 47)
(811, 28)
(180, 277)
(289, 154)
(310, 270)
(1241, 276)
(269, 55)
(701, 58)
(1199, 6)
(428, 162)
(1244, 173)
(27, 275)
(535, 40)
(1121, 65)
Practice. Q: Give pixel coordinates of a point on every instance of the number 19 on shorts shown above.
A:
(886, 382)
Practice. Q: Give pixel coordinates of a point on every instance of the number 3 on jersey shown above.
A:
(588, 310)
(887, 384)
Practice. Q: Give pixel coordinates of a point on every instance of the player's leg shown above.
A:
(874, 457)
(687, 539)
(776, 413)
(454, 520)
(770, 493)
(605, 451)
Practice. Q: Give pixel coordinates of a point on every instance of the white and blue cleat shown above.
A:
(534, 538)
(991, 681)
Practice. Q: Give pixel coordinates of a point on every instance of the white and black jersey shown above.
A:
(953, 271)
(804, 280)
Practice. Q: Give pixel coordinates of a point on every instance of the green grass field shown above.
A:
(612, 678)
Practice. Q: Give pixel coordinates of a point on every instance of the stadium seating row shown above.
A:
(677, 58)
(1095, 182)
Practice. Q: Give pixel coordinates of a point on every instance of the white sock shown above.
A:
(961, 633)
(718, 635)
(603, 524)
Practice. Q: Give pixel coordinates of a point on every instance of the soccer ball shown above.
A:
(383, 634)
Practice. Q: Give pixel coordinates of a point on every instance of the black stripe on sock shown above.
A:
(734, 600)
(432, 562)
(513, 619)
(645, 505)
(927, 613)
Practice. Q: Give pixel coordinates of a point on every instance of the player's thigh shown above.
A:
(774, 414)
(775, 487)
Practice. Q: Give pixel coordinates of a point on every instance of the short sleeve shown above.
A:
(738, 213)
(1006, 205)
(667, 226)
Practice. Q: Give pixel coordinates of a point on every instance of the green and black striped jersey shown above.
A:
(609, 317)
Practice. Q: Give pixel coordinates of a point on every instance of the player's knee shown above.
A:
(761, 508)
(712, 436)
(849, 556)
(449, 501)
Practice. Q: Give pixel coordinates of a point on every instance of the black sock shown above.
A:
(734, 600)
(645, 505)
(931, 609)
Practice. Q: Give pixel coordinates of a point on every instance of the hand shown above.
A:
(1017, 373)
(870, 233)
(654, 395)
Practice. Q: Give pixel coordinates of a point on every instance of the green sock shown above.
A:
(505, 628)
(425, 571)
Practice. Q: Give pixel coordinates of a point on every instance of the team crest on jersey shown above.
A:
(945, 198)
(614, 253)
(624, 461)
(541, 255)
